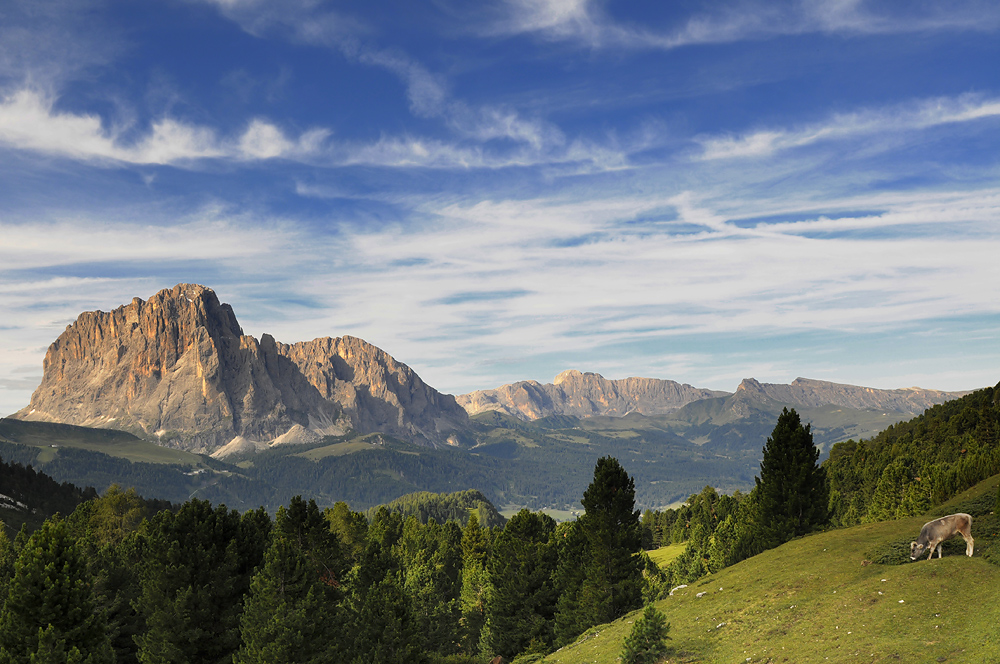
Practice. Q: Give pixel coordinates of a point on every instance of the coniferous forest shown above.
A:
(120, 579)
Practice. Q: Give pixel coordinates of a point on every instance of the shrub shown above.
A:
(647, 642)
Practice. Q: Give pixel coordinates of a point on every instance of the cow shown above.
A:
(937, 531)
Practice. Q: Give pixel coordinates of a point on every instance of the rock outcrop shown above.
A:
(585, 395)
(809, 393)
(178, 369)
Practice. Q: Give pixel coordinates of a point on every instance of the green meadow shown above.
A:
(820, 599)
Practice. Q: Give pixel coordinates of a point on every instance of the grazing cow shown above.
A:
(937, 531)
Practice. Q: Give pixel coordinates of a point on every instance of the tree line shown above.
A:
(113, 582)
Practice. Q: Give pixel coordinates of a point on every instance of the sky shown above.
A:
(501, 190)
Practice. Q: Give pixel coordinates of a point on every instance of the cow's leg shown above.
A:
(969, 542)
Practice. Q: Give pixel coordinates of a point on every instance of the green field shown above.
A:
(558, 515)
(812, 600)
(51, 437)
(666, 554)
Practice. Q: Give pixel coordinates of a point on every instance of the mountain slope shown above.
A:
(178, 369)
(812, 600)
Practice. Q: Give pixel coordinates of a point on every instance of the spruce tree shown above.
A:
(294, 596)
(570, 620)
(521, 604)
(193, 583)
(612, 584)
(49, 614)
(475, 549)
(791, 490)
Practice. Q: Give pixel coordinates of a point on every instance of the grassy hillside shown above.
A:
(114, 443)
(813, 600)
(102, 457)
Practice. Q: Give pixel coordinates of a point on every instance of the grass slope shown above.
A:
(107, 441)
(666, 554)
(812, 600)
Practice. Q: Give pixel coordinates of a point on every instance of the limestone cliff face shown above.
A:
(809, 393)
(585, 395)
(178, 368)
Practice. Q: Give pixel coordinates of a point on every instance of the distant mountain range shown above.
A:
(343, 420)
(576, 394)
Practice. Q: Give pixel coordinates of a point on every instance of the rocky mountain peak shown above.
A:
(177, 368)
(750, 386)
(582, 394)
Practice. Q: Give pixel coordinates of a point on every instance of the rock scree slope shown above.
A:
(177, 369)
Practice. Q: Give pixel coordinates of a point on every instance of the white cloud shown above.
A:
(585, 22)
(28, 121)
(884, 122)
(557, 276)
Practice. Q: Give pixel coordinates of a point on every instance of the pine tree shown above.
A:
(570, 620)
(521, 602)
(287, 618)
(193, 583)
(50, 612)
(475, 549)
(294, 596)
(612, 584)
(646, 644)
(791, 489)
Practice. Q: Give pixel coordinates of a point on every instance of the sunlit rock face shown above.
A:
(178, 369)
(585, 395)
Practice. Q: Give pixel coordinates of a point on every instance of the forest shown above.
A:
(119, 579)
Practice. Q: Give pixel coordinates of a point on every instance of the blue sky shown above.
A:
(501, 190)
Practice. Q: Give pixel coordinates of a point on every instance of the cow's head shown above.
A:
(916, 550)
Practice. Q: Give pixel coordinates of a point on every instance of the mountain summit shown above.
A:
(178, 369)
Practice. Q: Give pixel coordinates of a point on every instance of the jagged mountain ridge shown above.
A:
(809, 393)
(579, 394)
(588, 394)
(178, 369)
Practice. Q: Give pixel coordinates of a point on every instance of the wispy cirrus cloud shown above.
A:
(29, 121)
(885, 122)
(427, 92)
(585, 22)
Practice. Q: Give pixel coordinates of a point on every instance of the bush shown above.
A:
(647, 642)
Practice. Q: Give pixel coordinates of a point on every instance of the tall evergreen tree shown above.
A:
(612, 585)
(571, 545)
(294, 596)
(475, 550)
(791, 490)
(521, 602)
(193, 583)
(49, 614)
